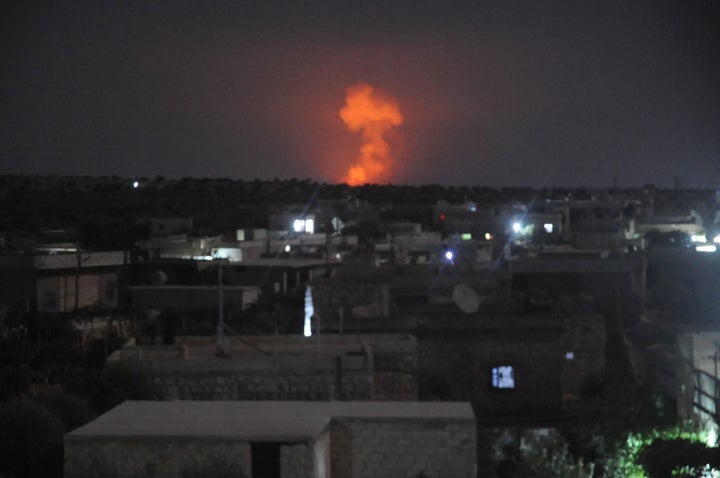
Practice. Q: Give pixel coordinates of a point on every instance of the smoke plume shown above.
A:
(373, 114)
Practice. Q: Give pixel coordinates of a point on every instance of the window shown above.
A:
(503, 377)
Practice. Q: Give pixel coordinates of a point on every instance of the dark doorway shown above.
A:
(265, 459)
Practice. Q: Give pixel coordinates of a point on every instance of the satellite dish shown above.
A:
(466, 298)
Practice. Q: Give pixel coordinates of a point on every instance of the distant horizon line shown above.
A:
(162, 177)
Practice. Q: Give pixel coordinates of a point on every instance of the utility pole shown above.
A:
(221, 341)
(77, 279)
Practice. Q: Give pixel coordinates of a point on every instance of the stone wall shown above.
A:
(284, 378)
(157, 458)
(356, 299)
(346, 367)
(402, 448)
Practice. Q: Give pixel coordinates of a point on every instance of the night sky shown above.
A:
(499, 93)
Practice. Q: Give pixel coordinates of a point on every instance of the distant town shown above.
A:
(287, 328)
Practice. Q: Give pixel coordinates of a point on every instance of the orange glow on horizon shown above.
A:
(373, 114)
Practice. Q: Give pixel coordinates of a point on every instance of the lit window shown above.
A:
(310, 226)
(298, 225)
(503, 377)
(569, 355)
(548, 227)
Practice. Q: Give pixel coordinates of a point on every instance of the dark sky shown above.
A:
(498, 92)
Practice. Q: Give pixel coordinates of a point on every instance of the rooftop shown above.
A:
(259, 420)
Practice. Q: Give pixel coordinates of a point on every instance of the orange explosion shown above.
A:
(373, 114)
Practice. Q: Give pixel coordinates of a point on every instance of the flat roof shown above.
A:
(253, 420)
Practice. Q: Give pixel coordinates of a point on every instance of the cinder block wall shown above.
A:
(236, 380)
(156, 457)
(403, 448)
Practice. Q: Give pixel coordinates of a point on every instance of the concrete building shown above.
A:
(60, 282)
(277, 440)
(617, 283)
(191, 297)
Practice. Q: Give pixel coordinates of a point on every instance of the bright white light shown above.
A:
(488, 236)
(712, 436)
(298, 225)
(310, 226)
(309, 311)
(449, 255)
(701, 238)
(516, 227)
(706, 248)
(202, 258)
(548, 227)
(136, 184)
(716, 239)
(338, 256)
(287, 247)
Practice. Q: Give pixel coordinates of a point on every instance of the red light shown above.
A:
(442, 216)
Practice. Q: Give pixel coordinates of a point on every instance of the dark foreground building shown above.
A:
(276, 439)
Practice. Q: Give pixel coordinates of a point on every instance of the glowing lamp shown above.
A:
(449, 255)
(442, 216)
(287, 248)
(516, 227)
(298, 225)
(548, 227)
(706, 248)
(136, 184)
(701, 238)
(488, 236)
(309, 311)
